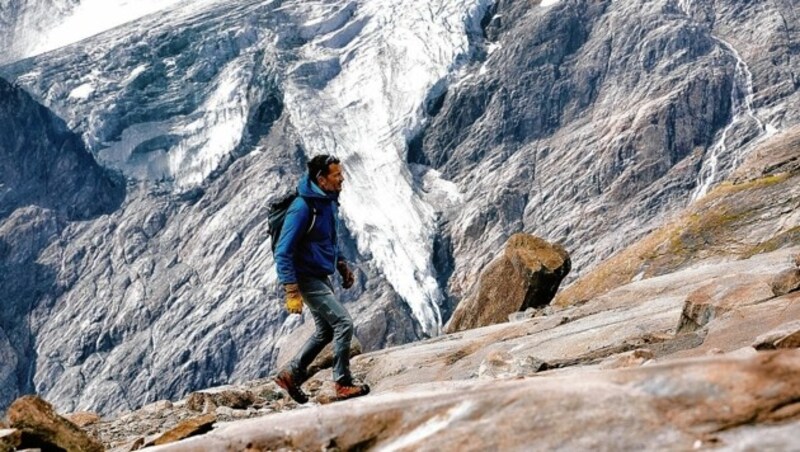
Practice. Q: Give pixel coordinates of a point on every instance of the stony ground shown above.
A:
(667, 362)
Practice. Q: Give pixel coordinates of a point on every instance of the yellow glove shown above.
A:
(294, 302)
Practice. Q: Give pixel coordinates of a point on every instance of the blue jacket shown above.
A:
(312, 253)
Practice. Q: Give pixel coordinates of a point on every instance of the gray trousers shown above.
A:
(333, 323)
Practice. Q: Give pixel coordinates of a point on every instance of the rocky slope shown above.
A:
(622, 367)
(586, 123)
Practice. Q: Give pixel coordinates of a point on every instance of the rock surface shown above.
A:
(738, 218)
(787, 281)
(666, 406)
(83, 419)
(188, 428)
(559, 361)
(42, 428)
(785, 336)
(527, 275)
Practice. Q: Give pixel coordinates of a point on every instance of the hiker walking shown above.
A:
(306, 254)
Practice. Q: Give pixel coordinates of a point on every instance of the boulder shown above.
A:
(42, 428)
(10, 439)
(186, 429)
(83, 418)
(786, 281)
(785, 336)
(526, 275)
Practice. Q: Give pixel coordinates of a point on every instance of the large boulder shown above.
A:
(526, 275)
(42, 428)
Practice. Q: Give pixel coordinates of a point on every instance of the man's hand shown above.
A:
(347, 276)
(294, 302)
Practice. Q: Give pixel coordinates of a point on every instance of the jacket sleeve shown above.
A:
(297, 217)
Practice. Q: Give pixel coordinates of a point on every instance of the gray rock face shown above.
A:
(587, 123)
(584, 123)
(47, 178)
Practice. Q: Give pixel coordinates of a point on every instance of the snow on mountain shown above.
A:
(367, 120)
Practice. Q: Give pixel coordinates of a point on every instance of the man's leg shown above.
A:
(296, 372)
(313, 346)
(324, 304)
(326, 310)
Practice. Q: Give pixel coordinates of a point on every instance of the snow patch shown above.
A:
(134, 73)
(82, 92)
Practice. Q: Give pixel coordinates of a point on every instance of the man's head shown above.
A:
(326, 172)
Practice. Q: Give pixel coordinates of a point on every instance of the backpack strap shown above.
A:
(313, 208)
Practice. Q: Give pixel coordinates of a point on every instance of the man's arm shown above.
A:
(348, 278)
(297, 217)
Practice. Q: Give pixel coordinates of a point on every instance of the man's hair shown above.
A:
(320, 166)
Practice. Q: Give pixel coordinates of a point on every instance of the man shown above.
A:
(306, 255)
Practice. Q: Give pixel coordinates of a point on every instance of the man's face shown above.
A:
(333, 181)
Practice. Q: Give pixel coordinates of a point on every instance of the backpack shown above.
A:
(277, 214)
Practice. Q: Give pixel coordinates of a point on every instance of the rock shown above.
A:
(83, 418)
(40, 425)
(797, 261)
(721, 296)
(504, 365)
(325, 359)
(138, 443)
(786, 281)
(522, 315)
(785, 336)
(205, 401)
(633, 358)
(186, 429)
(10, 439)
(526, 275)
(157, 407)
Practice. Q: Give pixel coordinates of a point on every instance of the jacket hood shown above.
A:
(308, 189)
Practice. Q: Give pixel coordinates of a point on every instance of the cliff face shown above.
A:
(47, 180)
(589, 123)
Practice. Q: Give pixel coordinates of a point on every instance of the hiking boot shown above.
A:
(345, 391)
(286, 380)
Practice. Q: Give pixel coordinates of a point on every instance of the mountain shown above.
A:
(458, 123)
